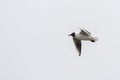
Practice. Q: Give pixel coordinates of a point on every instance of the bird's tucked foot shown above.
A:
(92, 40)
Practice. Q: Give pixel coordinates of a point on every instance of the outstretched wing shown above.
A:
(78, 45)
(85, 32)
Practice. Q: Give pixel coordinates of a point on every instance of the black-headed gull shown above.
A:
(83, 35)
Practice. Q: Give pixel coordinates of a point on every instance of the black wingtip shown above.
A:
(79, 54)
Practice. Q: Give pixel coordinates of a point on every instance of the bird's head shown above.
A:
(72, 34)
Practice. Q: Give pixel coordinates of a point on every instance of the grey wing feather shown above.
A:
(78, 45)
(85, 32)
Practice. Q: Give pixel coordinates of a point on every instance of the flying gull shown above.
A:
(82, 35)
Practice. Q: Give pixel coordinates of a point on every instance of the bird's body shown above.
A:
(83, 35)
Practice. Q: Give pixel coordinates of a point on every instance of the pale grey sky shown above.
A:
(34, 41)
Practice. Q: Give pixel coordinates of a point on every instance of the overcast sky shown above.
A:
(34, 41)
